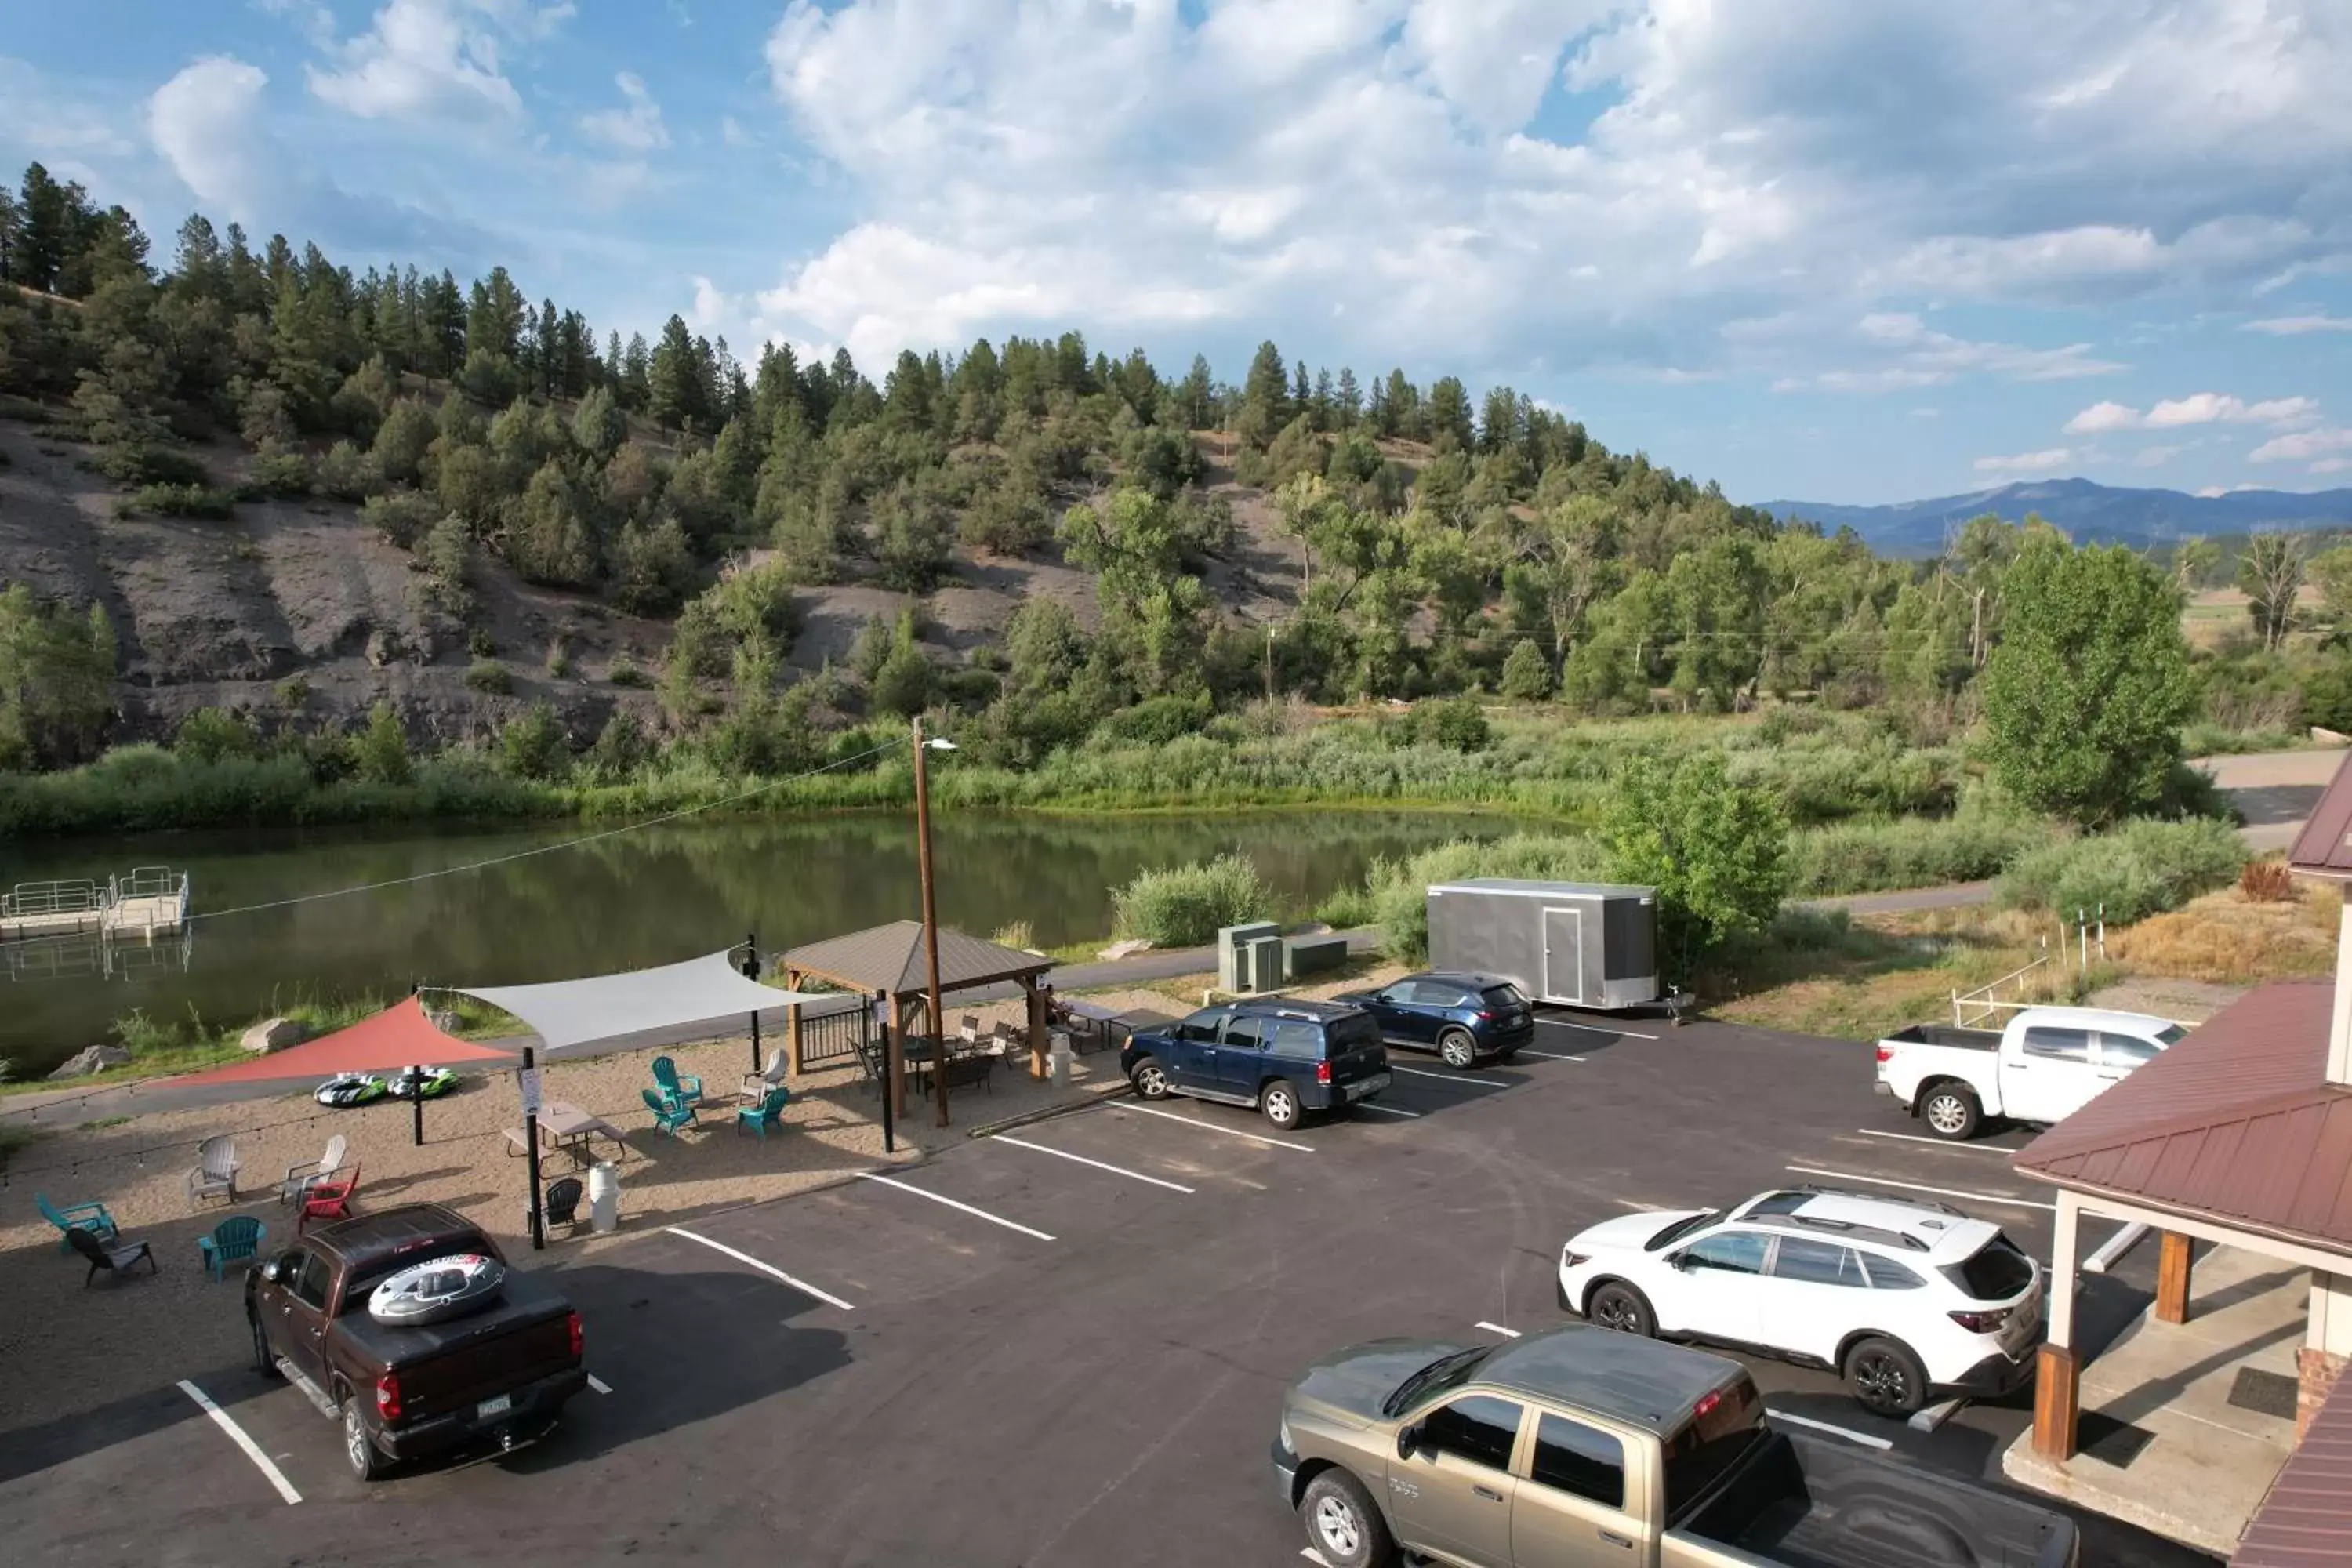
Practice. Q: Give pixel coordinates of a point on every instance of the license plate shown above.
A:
(499, 1406)
(1363, 1086)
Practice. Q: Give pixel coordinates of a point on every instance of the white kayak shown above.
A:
(438, 1289)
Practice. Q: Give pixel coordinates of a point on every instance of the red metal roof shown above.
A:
(2323, 847)
(397, 1038)
(2237, 1121)
(2307, 1519)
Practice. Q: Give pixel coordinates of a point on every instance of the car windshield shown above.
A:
(1681, 1228)
(1503, 996)
(1994, 1272)
(1447, 1371)
(1728, 1424)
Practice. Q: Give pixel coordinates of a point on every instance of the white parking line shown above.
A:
(1550, 1056)
(1594, 1029)
(1848, 1433)
(1213, 1127)
(1937, 1142)
(599, 1384)
(1081, 1159)
(976, 1214)
(1497, 1329)
(1452, 1076)
(1385, 1110)
(803, 1285)
(236, 1435)
(1916, 1187)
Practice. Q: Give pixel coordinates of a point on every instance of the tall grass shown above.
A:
(2141, 868)
(1185, 906)
(1877, 856)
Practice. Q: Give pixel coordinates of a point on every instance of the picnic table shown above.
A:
(565, 1128)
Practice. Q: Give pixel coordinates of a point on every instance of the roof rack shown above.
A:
(1878, 1199)
(1879, 1233)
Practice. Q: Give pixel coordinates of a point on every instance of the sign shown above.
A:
(529, 1078)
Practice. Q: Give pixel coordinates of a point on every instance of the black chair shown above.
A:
(115, 1258)
(561, 1205)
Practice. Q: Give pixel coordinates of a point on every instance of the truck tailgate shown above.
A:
(453, 1366)
(1816, 1503)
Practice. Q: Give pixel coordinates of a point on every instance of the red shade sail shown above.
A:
(399, 1036)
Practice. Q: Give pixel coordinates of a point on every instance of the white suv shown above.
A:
(1900, 1298)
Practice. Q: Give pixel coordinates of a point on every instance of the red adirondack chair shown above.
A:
(329, 1199)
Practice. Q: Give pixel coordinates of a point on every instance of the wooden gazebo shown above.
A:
(886, 961)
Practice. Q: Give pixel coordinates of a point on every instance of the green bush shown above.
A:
(1185, 906)
(1457, 724)
(154, 466)
(210, 734)
(1156, 720)
(624, 673)
(2142, 868)
(1874, 857)
(534, 746)
(488, 674)
(181, 501)
(1527, 674)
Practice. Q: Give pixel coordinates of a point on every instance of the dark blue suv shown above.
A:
(1284, 1058)
(1462, 1018)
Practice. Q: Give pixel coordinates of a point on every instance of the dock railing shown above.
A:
(30, 901)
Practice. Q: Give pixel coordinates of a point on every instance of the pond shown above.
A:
(645, 897)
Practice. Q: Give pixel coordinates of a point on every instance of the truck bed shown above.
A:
(448, 1366)
(1945, 1035)
(1817, 1503)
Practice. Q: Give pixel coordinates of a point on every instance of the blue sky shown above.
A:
(1838, 250)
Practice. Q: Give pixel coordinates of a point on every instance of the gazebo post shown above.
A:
(897, 1054)
(2057, 1384)
(1036, 1026)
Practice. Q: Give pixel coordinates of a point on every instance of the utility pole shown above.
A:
(1269, 661)
(930, 919)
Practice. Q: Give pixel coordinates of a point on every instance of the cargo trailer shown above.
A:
(1580, 944)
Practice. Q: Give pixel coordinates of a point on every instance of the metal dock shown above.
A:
(149, 900)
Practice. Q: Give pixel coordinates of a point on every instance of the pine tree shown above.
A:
(42, 231)
(1347, 400)
(674, 383)
(495, 314)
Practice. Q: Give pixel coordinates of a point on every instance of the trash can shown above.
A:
(604, 1197)
(1057, 1058)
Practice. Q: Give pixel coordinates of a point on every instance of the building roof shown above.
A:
(891, 958)
(2236, 1122)
(2323, 847)
(2307, 1519)
(1645, 1382)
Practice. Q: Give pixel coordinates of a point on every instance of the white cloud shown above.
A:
(2294, 326)
(636, 127)
(732, 132)
(313, 18)
(52, 123)
(2198, 408)
(2027, 462)
(2303, 446)
(2157, 457)
(1915, 354)
(433, 60)
(711, 309)
(2332, 465)
(202, 123)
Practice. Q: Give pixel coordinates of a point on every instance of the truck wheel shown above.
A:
(1617, 1305)
(1886, 1377)
(1280, 1103)
(357, 1452)
(1151, 1079)
(1950, 1110)
(1457, 1050)
(1345, 1528)
(263, 1362)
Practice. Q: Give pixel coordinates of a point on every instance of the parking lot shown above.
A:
(1066, 1345)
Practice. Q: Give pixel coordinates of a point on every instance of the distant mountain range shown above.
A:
(2089, 513)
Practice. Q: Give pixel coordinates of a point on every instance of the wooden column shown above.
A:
(2172, 1267)
(1037, 1030)
(2057, 1394)
(793, 1027)
(895, 1060)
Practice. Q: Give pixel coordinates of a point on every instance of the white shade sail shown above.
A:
(566, 1012)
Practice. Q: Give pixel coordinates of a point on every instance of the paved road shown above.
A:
(1082, 1363)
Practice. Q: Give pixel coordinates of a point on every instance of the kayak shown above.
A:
(350, 1089)
(438, 1289)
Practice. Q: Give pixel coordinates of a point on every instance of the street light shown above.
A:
(923, 748)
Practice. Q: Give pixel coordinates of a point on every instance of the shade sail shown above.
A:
(610, 1006)
(399, 1036)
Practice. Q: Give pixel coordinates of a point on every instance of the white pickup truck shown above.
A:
(2045, 1065)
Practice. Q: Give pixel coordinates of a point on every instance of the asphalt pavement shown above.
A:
(1060, 1348)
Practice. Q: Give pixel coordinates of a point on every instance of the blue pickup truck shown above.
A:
(1284, 1058)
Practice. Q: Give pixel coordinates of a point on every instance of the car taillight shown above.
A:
(1322, 1072)
(1483, 1016)
(1982, 1322)
(572, 1329)
(387, 1397)
(1885, 1055)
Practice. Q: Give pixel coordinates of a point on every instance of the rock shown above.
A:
(96, 1058)
(272, 1034)
(383, 647)
(1127, 949)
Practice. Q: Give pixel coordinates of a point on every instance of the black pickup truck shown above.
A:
(499, 1375)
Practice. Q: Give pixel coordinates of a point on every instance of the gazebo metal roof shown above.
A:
(890, 959)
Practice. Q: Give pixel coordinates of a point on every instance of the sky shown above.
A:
(1852, 251)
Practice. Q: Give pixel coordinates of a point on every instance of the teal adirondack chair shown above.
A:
(766, 1114)
(670, 1115)
(92, 1218)
(236, 1237)
(679, 1089)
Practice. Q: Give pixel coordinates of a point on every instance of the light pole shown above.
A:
(923, 748)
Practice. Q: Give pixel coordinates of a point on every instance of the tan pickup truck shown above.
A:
(1582, 1449)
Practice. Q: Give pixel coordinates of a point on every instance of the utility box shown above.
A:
(1244, 962)
(1317, 954)
(1583, 944)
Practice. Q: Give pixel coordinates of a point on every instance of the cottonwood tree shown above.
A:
(2269, 574)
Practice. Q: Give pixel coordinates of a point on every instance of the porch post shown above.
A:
(792, 1026)
(2057, 1384)
(2172, 1268)
(1036, 1027)
(895, 1059)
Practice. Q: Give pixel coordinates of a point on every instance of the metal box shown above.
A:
(1317, 954)
(1239, 968)
(1583, 944)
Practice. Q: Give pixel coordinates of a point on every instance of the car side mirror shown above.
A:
(274, 1270)
(1679, 1262)
(1408, 1440)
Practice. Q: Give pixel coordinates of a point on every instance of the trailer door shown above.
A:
(1563, 973)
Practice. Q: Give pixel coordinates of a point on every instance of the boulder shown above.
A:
(272, 1034)
(1127, 949)
(95, 1059)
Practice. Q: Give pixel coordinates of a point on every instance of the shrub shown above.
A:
(627, 674)
(903, 685)
(277, 471)
(154, 466)
(1185, 906)
(1457, 723)
(1873, 856)
(349, 473)
(401, 517)
(1527, 674)
(181, 501)
(293, 692)
(2142, 868)
(532, 745)
(1016, 936)
(1156, 720)
(209, 734)
(1398, 890)
(488, 674)
(379, 751)
(2267, 882)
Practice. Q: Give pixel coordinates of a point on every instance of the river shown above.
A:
(641, 898)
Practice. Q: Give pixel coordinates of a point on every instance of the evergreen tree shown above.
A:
(1266, 397)
(676, 392)
(42, 236)
(1347, 399)
(494, 316)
